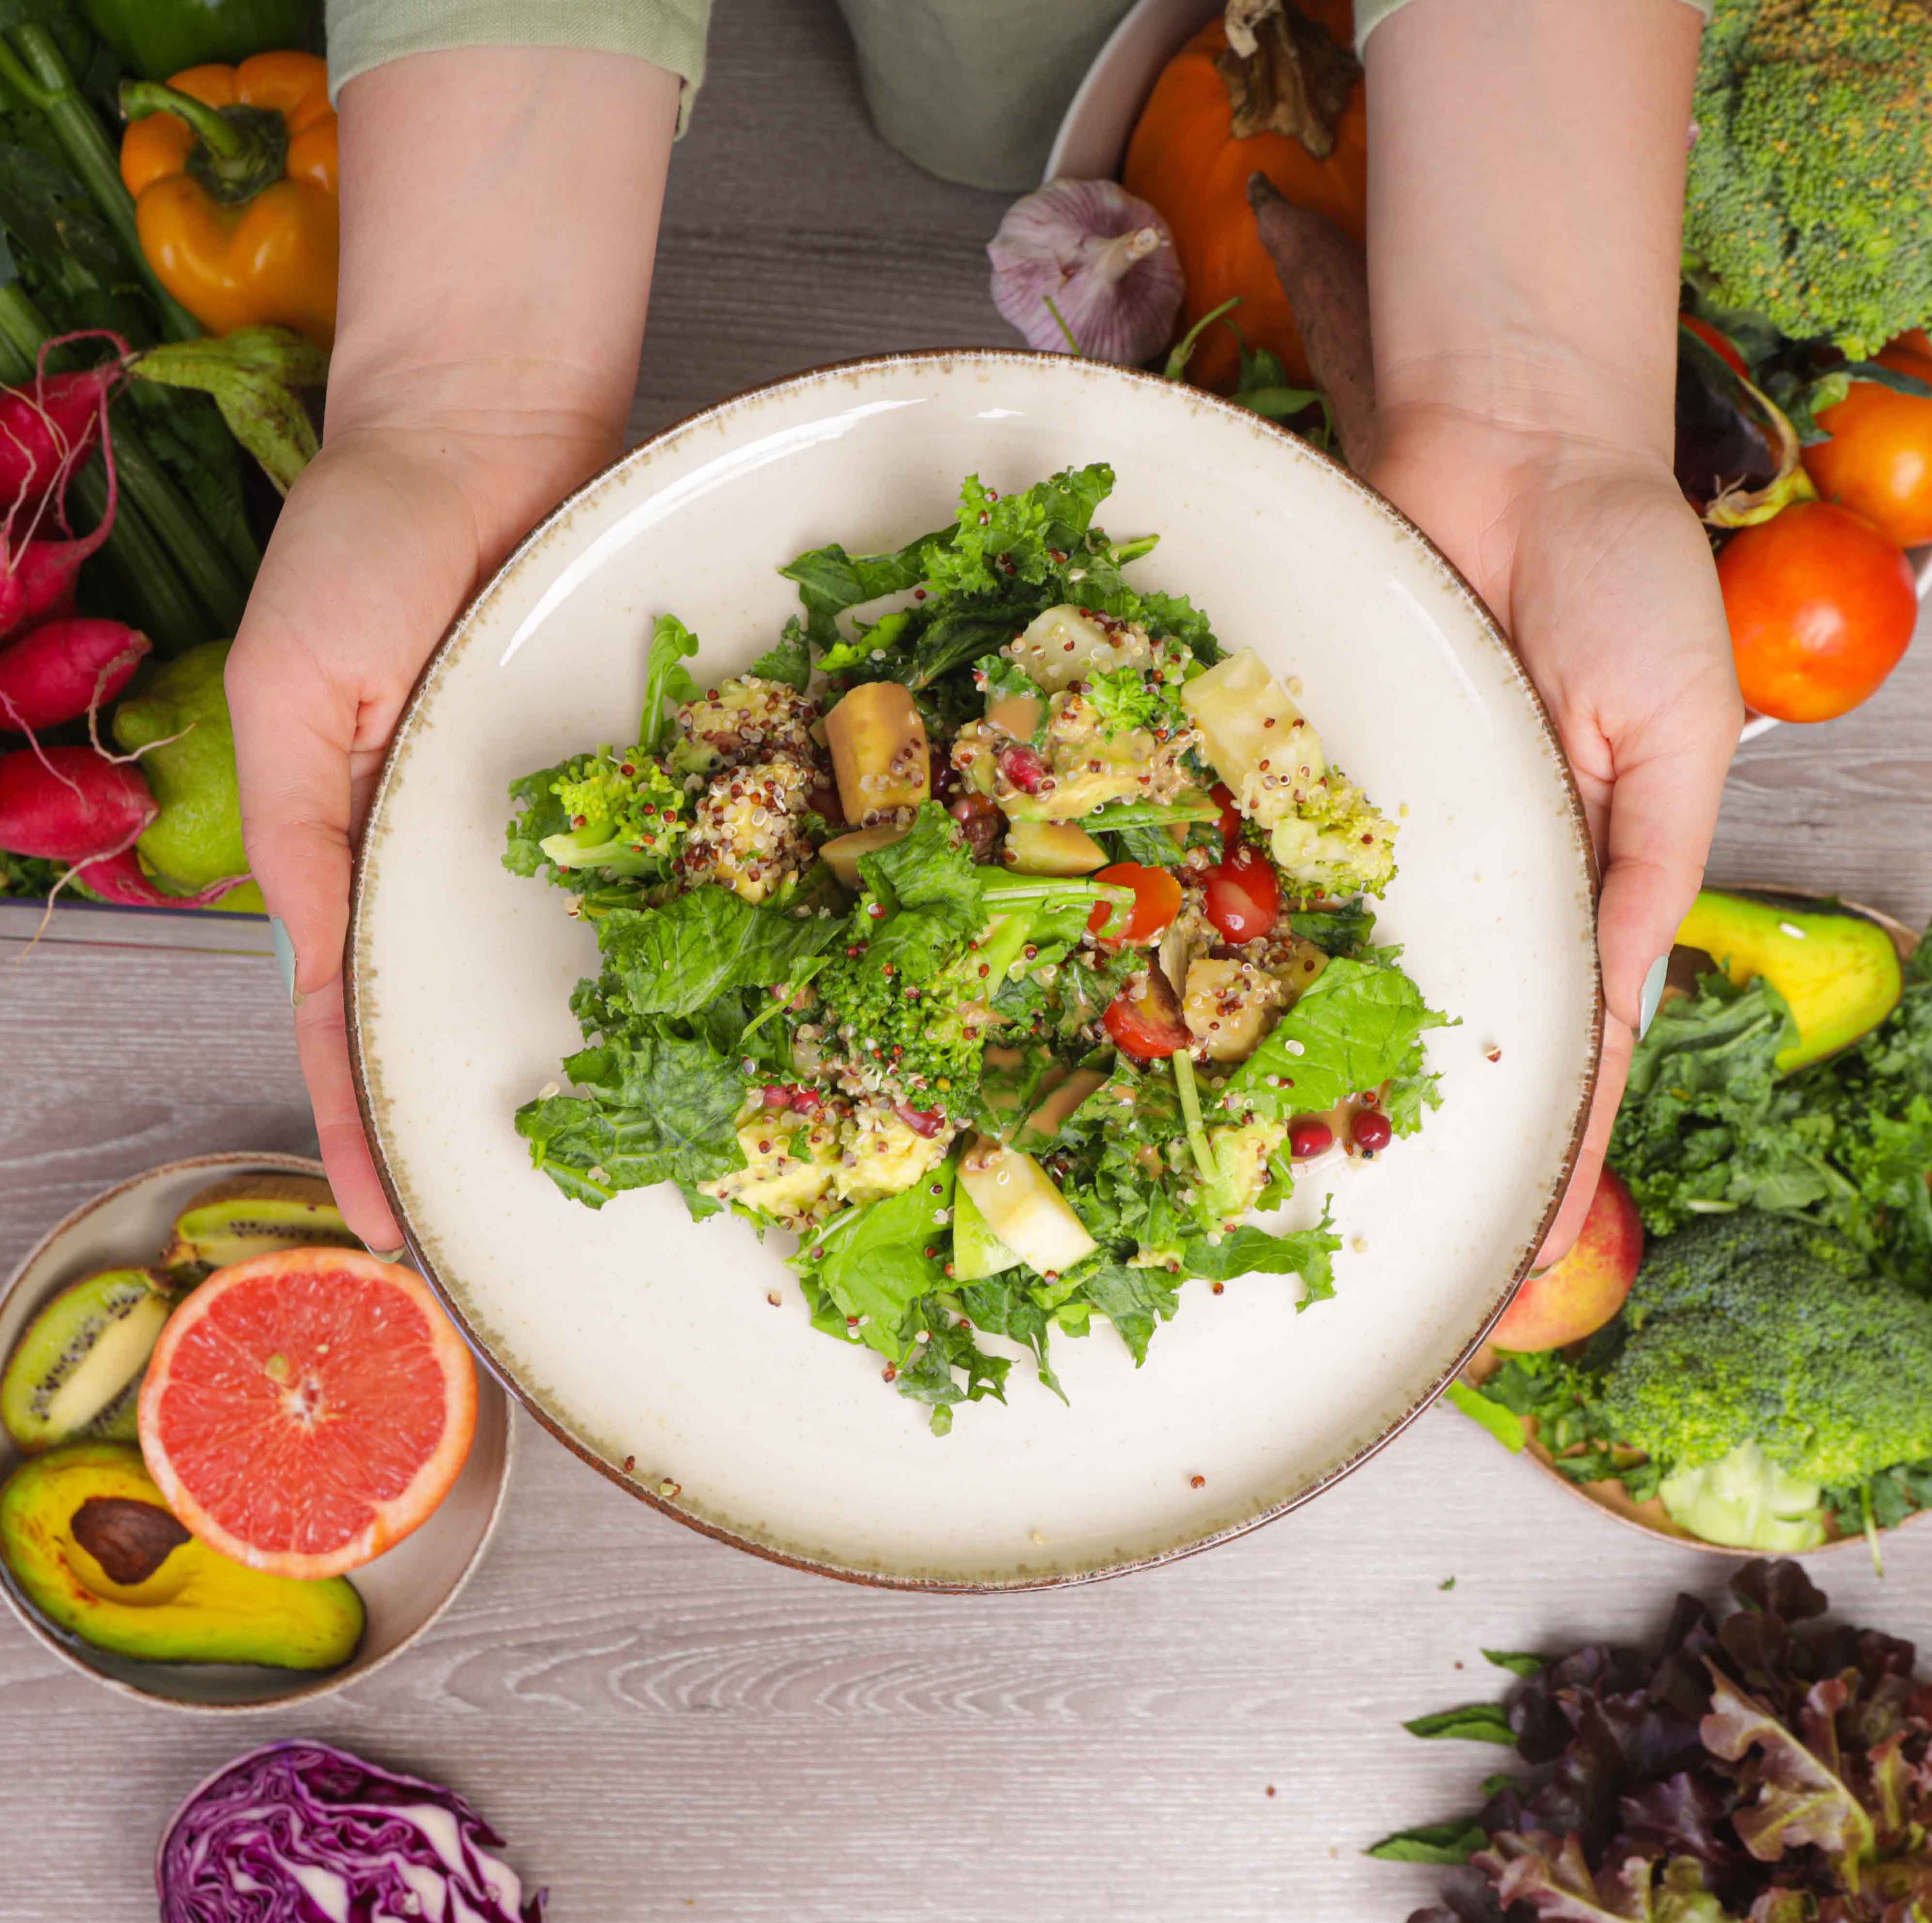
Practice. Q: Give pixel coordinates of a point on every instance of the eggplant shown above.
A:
(1737, 455)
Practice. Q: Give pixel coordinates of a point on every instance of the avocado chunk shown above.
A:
(90, 1545)
(256, 1215)
(977, 1253)
(1020, 1205)
(1838, 972)
(77, 1370)
(1052, 848)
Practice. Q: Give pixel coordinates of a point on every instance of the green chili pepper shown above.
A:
(160, 38)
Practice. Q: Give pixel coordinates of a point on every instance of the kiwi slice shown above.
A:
(255, 1215)
(77, 1370)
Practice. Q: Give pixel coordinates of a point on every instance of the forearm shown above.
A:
(1525, 204)
(500, 210)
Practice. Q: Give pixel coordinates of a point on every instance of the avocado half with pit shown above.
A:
(89, 1544)
(1837, 971)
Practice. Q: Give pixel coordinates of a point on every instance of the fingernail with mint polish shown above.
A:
(1653, 993)
(394, 1255)
(285, 957)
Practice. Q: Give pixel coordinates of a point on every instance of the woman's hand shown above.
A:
(386, 534)
(499, 210)
(1526, 202)
(1594, 565)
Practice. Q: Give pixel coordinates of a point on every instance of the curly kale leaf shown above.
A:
(658, 1109)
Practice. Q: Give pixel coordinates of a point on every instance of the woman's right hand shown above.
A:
(383, 538)
(499, 212)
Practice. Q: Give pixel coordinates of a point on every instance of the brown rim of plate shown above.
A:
(1610, 1498)
(241, 1163)
(526, 548)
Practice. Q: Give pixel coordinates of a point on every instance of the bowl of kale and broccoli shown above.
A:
(1766, 1385)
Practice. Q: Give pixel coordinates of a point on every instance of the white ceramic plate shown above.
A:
(404, 1590)
(639, 1336)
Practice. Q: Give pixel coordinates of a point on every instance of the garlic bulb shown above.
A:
(1105, 261)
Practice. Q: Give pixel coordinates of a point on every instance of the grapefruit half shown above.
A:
(304, 1410)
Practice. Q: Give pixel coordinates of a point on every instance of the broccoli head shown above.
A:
(1334, 843)
(1751, 1327)
(1809, 196)
(618, 812)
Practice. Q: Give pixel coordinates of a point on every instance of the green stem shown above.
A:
(170, 617)
(1190, 1110)
(42, 78)
(165, 515)
(240, 150)
(223, 139)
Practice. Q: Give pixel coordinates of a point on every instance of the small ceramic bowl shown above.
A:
(1611, 1498)
(404, 1590)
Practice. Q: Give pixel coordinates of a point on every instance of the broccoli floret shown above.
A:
(1335, 842)
(1809, 197)
(1754, 1328)
(625, 814)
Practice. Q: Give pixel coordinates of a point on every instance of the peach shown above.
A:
(1574, 1298)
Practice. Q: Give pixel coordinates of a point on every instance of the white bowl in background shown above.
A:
(404, 1590)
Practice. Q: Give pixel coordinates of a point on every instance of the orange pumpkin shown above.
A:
(1185, 160)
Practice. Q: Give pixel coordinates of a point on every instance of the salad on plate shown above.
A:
(1010, 949)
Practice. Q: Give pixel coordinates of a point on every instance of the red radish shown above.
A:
(70, 804)
(119, 878)
(47, 429)
(60, 670)
(37, 577)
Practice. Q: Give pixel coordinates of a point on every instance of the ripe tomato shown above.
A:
(1144, 1019)
(1878, 462)
(1156, 902)
(1917, 341)
(1711, 338)
(1244, 897)
(1821, 606)
(1230, 816)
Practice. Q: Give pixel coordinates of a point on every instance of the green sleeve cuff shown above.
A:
(363, 33)
(1370, 14)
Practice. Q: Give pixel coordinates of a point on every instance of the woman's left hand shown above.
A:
(1597, 568)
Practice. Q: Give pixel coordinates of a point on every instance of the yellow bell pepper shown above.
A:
(233, 173)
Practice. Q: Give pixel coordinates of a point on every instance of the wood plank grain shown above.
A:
(667, 1729)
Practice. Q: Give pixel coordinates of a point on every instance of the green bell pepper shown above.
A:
(158, 38)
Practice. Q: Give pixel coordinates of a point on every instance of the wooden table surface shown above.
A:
(666, 1728)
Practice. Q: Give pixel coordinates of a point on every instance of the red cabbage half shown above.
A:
(302, 1832)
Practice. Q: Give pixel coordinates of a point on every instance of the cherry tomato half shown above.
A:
(1243, 897)
(1144, 1019)
(1719, 343)
(1878, 462)
(1230, 816)
(1156, 902)
(1821, 606)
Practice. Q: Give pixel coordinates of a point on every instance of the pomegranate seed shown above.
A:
(805, 1101)
(1023, 767)
(777, 1097)
(1372, 1131)
(1310, 1138)
(921, 1121)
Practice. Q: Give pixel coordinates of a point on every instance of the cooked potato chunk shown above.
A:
(878, 751)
